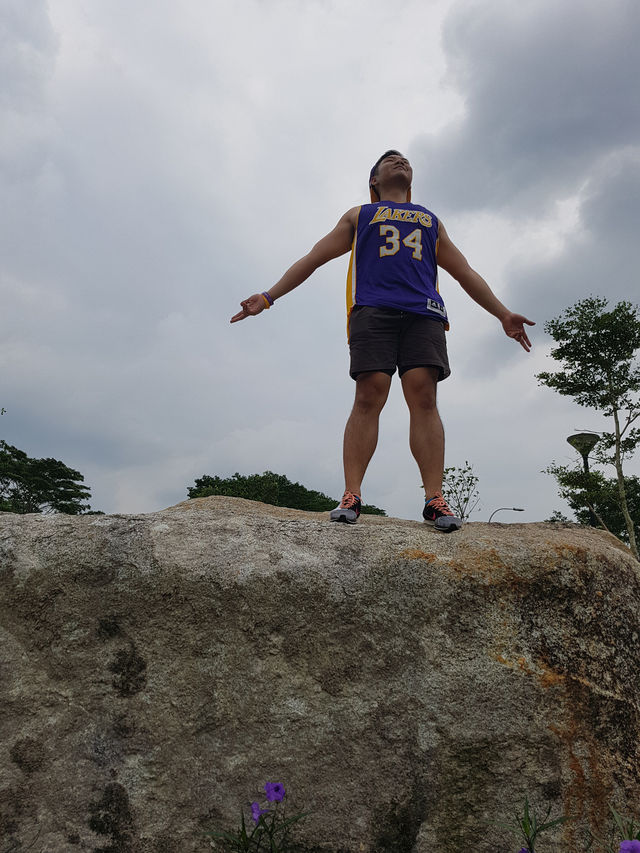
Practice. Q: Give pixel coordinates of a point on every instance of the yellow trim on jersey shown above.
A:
(447, 326)
(351, 274)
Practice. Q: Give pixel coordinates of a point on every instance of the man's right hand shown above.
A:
(335, 243)
(250, 307)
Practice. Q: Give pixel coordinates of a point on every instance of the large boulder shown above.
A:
(407, 687)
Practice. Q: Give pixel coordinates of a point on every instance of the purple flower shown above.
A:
(275, 792)
(523, 850)
(257, 812)
(630, 847)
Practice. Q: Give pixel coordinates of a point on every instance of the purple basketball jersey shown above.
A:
(393, 260)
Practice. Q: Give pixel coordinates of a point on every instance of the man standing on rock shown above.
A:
(396, 318)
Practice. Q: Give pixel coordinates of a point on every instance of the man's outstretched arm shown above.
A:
(334, 244)
(451, 259)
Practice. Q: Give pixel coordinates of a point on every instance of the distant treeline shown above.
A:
(269, 488)
(39, 485)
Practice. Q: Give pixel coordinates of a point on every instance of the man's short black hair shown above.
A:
(374, 168)
(380, 159)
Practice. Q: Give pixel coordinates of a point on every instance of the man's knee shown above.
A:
(372, 390)
(419, 387)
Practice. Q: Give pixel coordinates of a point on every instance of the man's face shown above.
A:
(391, 168)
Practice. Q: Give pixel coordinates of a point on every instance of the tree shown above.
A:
(592, 492)
(597, 351)
(459, 485)
(269, 488)
(557, 517)
(39, 485)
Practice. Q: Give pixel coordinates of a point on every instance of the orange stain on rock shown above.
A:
(417, 554)
(487, 564)
(588, 792)
(546, 676)
(576, 552)
(549, 677)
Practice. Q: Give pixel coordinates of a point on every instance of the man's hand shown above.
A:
(513, 325)
(332, 245)
(250, 307)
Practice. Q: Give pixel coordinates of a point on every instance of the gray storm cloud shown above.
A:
(155, 171)
(548, 89)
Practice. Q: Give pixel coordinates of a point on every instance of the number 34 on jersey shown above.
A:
(391, 246)
(391, 234)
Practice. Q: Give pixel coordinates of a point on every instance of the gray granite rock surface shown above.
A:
(407, 687)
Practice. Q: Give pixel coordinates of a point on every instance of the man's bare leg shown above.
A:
(361, 431)
(426, 434)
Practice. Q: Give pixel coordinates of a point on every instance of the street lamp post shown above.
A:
(514, 508)
(584, 442)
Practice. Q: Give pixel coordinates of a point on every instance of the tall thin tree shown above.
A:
(597, 349)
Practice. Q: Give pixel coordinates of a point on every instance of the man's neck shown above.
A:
(397, 198)
(398, 195)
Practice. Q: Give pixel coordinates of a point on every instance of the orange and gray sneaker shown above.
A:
(348, 510)
(436, 511)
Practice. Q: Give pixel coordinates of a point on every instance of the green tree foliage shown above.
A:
(269, 488)
(459, 486)
(597, 352)
(592, 491)
(558, 517)
(39, 485)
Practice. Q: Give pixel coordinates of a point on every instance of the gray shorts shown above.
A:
(382, 339)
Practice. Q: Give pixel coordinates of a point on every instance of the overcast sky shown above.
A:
(159, 162)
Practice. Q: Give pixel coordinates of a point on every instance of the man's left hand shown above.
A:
(513, 325)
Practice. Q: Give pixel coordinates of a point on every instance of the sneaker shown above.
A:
(436, 511)
(349, 509)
